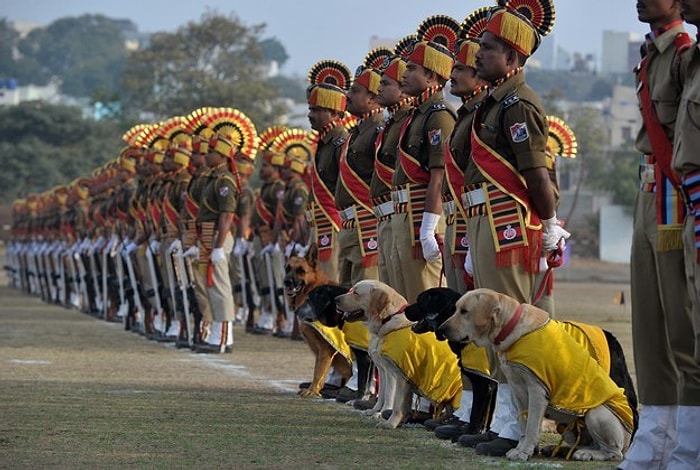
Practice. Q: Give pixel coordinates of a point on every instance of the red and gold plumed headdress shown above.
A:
(233, 133)
(395, 65)
(561, 140)
(329, 80)
(175, 138)
(196, 127)
(266, 138)
(293, 149)
(437, 36)
(146, 140)
(470, 31)
(522, 23)
(368, 74)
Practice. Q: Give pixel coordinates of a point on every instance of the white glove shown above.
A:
(553, 235)
(269, 249)
(468, 265)
(217, 255)
(431, 250)
(176, 245)
(289, 249)
(192, 252)
(130, 248)
(241, 247)
(301, 250)
(155, 246)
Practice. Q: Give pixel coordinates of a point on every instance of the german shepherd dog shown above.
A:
(302, 275)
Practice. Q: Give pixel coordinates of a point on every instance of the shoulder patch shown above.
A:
(434, 136)
(518, 132)
(510, 101)
(340, 141)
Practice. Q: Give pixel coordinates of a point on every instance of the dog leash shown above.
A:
(555, 258)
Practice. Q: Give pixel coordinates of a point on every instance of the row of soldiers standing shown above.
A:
(148, 238)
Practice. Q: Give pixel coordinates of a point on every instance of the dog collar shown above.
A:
(510, 326)
(398, 312)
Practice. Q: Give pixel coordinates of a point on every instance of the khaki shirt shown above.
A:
(327, 156)
(661, 56)
(686, 158)
(360, 156)
(431, 124)
(269, 193)
(460, 140)
(513, 123)
(388, 152)
(219, 195)
(294, 200)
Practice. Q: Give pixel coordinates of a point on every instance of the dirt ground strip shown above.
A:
(76, 390)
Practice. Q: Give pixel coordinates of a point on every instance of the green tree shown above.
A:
(24, 69)
(217, 61)
(272, 49)
(42, 145)
(85, 53)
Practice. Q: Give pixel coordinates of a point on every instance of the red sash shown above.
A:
(455, 179)
(520, 238)
(171, 216)
(670, 209)
(384, 173)
(191, 206)
(411, 167)
(353, 183)
(325, 199)
(265, 214)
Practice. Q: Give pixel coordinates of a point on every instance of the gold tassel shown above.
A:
(438, 62)
(326, 98)
(517, 32)
(670, 238)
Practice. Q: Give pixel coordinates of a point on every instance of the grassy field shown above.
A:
(79, 393)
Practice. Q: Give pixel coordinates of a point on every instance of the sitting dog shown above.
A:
(302, 275)
(432, 308)
(550, 373)
(320, 306)
(408, 363)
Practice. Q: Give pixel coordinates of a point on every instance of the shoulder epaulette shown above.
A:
(437, 106)
(339, 141)
(510, 100)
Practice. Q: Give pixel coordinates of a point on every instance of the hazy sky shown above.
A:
(341, 31)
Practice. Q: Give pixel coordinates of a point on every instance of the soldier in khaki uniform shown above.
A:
(330, 81)
(686, 162)
(357, 256)
(396, 102)
(465, 84)
(420, 169)
(200, 134)
(215, 221)
(667, 375)
(508, 164)
(262, 223)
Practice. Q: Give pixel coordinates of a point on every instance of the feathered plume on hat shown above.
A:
(470, 31)
(437, 36)
(293, 149)
(329, 80)
(130, 154)
(146, 140)
(233, 133)
(198, 130)
(395, 65)
(174, 137)
(368, 74)
(130, 135)
(266, 138)
(561, 140)
(522, 23)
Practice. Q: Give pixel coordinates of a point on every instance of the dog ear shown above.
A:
(312, 255)
(486, 308)
(378, 302)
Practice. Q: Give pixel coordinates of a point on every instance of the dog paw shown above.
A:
(307, 393)
(386, 425)
(517, 454)
(371, 413)
(587, 455)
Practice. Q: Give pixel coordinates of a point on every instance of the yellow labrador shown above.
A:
(408, 363)
(550, 374)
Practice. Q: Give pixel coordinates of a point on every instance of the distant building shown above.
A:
(620, 51)
(622, 116)
(550, 56)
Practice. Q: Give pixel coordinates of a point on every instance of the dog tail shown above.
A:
(621, 376)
